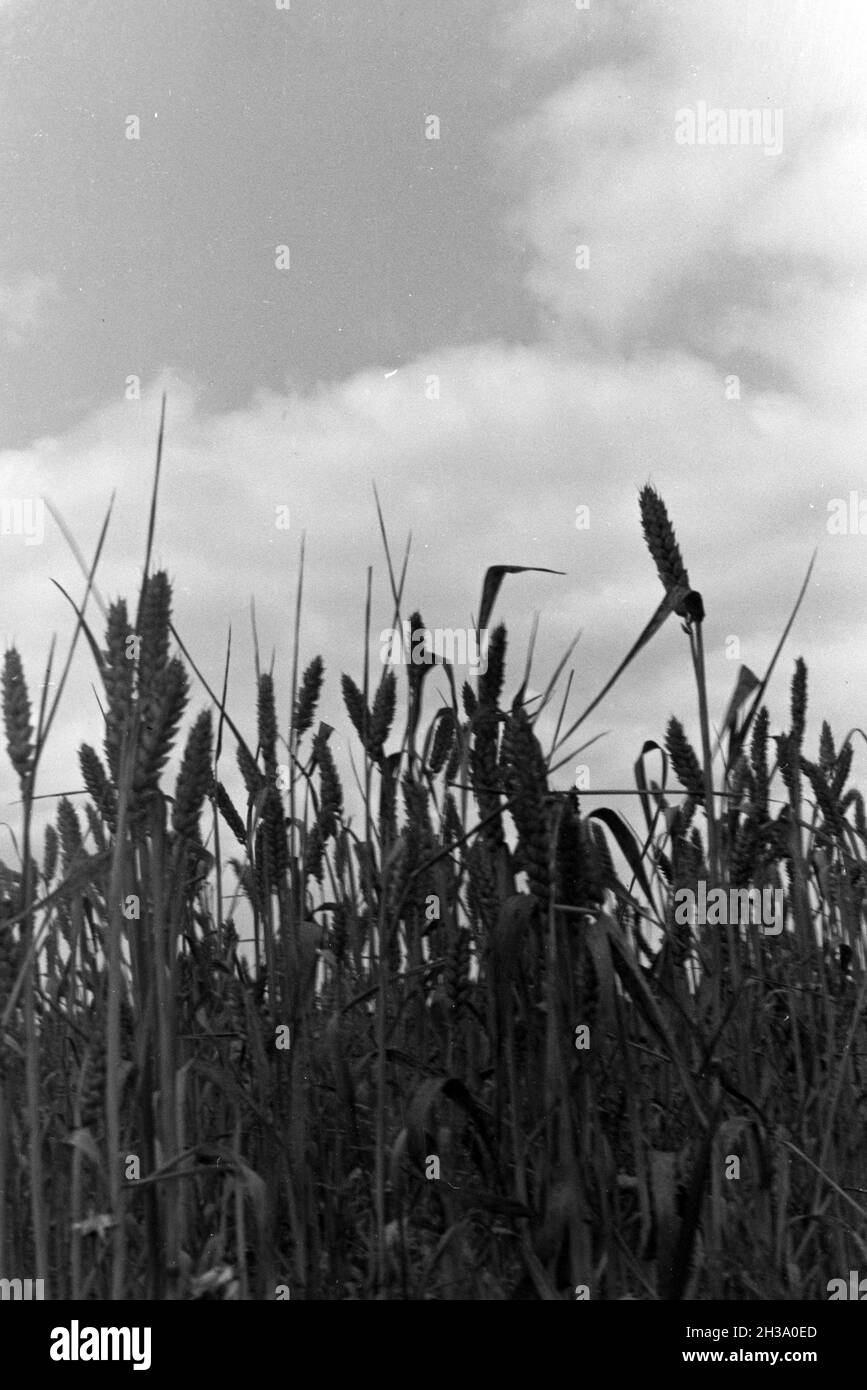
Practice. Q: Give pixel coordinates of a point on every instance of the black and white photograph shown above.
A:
(433, 541)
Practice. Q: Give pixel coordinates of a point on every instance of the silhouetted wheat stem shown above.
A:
(663, 547)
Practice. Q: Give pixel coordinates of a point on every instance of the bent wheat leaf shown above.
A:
(494, 576)
(670, 603)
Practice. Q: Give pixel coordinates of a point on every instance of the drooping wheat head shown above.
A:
(228, 811)
(308, 697)
(69, 829)
(98, 784)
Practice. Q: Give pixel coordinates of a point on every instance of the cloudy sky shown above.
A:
(505, 259)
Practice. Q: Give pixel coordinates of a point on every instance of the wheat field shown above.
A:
(462, 1047)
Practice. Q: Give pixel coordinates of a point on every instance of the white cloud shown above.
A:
(683, 241)
(24, 300)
